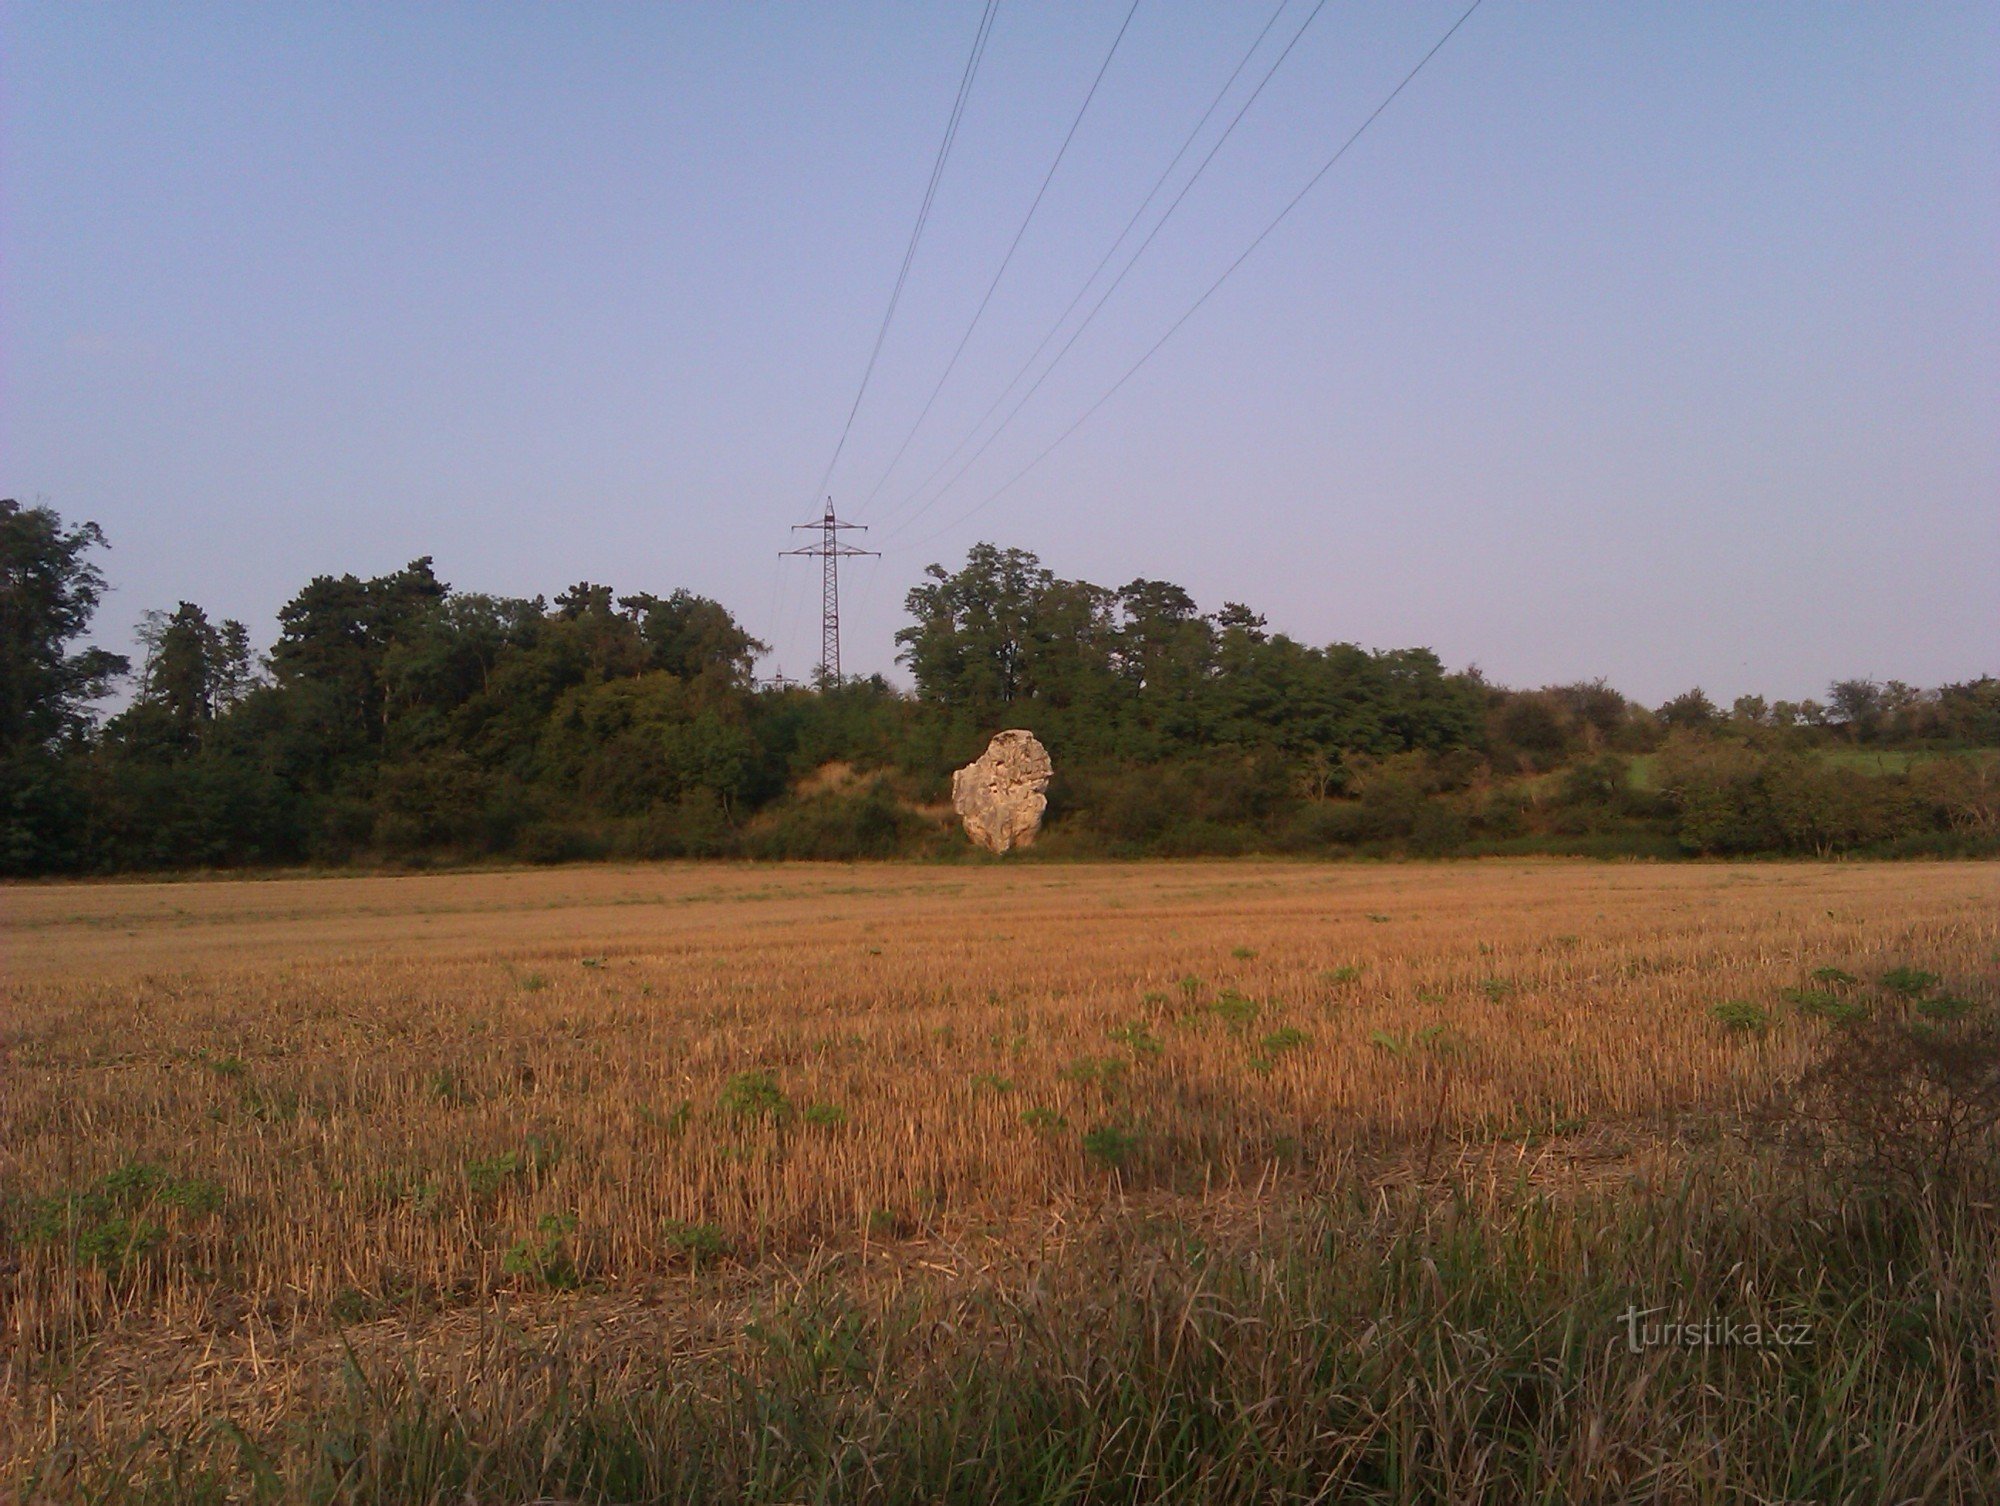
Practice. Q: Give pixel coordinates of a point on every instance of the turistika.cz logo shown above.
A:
(1708, 1333)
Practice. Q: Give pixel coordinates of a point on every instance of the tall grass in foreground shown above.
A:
(1417, 1345)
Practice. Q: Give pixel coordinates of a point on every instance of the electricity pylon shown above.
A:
(830, 551)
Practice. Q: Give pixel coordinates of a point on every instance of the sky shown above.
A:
(1652, 342)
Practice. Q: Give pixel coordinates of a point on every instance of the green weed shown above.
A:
(1111, 1144)
(1825, 1004)
(754, 1097)
(1288, 1038)
(674, 1121)
(1142, 1040)
(1437, 1038)
(1908, 982)
(1105, 1071)
(1275, 1045)
(699, 1243)
(1741, 1016)
(111, 1223)
(1234, 1010)
(485, 1178)
(1945, 1007)
(544, 1259)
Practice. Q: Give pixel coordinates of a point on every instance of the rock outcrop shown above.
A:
(999, 795)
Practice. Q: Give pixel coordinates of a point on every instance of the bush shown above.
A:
(1911, 1104)
(695, 826)
(1728, 797)
(430, 803)
(839, 827)
(1439, 830)
(557, 842)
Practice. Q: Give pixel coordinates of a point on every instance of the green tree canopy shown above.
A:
(49, 590)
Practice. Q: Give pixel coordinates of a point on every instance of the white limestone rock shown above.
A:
(999, 795)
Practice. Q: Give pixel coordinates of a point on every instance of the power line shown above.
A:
(1296, 199)
(1104, 261)
(1116, 282)
(1103, 298)
(1007, 260)
(917, 231)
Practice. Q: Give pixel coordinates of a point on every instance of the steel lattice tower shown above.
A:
(830, 552)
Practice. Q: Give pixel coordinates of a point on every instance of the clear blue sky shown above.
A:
(1660, 341)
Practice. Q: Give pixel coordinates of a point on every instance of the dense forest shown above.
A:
(399, 720)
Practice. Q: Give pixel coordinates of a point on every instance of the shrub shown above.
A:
(839, 826)
(1602, 783)
(1440, 829)
(557, 842)
(1909, 1103)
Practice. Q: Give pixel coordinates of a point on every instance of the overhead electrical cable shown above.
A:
(1007, 260)
(1228, 271)
(1112, 288)
(917, 231)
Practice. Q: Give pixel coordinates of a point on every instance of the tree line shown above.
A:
(398, 719)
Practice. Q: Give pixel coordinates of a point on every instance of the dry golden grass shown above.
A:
(367, 1092)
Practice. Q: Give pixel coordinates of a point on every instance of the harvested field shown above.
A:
(477, 1131)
